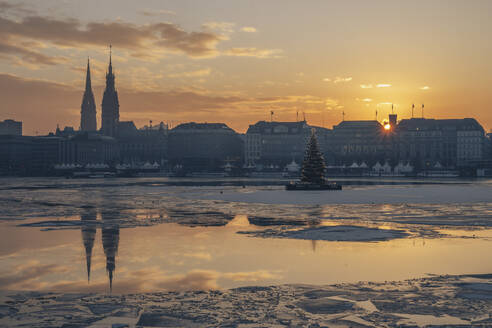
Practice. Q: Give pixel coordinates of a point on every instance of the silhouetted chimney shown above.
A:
(392, 119)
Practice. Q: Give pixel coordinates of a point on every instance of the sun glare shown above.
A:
(387, 126)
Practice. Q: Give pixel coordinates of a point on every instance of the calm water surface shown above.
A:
(100, 252)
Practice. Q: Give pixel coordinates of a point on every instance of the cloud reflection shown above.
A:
(55, 277)
(27, 276)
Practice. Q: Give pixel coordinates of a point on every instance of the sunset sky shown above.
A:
(235, 61)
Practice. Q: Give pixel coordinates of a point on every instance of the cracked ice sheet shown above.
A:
(424, 320)
(433, 300)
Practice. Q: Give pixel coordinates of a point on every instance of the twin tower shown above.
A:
(110, 106)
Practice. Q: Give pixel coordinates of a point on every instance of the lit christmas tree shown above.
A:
(313, 167)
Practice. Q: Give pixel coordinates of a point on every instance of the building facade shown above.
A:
(148, 144)
(204, 147)
(452, 143)
(471, 146)
(276, 143)
(91, 148)
(11, 127)
(47, 151)
(26, 155)
(15, 154)
(360, 141)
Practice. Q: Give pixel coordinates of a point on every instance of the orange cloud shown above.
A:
(249, 29)
(342, 79)
(153, 13)
(29, 57)
(226, 27)
(253, 52)
(71, 32)
(197, 73)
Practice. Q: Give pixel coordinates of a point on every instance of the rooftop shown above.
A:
(202, 126)
(277, 127)
(439, 124)
(358, 124)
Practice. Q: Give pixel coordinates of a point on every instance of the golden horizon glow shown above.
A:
(179, 61)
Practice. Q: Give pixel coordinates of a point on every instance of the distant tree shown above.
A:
(313, 166)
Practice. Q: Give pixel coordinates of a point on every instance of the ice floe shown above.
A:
(419, 302)
(332, 233)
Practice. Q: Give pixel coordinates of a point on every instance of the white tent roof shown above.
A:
(147, 165)
(377, 166)
(292, 166)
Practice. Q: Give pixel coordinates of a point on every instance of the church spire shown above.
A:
(110, 64)
(109, 75)
(110, 105)
(88, 85)
(88, 108)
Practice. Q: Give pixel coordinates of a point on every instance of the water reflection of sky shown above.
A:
(164, 234)
(170, 256)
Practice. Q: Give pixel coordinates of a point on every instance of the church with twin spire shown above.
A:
(110, 115)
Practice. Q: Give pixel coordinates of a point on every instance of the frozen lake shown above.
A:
(148, 235)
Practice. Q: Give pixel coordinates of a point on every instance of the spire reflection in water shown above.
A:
(110, 236)
(110, 241)
(88, 228)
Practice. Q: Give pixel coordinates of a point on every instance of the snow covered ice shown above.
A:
(421, 194)
(436, 301)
